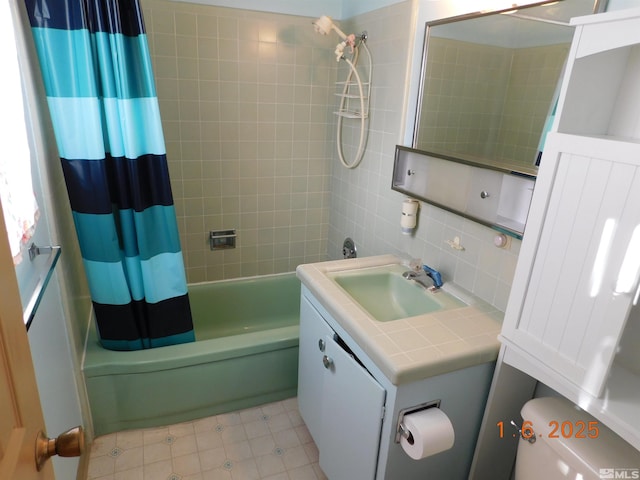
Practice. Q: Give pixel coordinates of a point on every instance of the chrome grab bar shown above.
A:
(54, 252)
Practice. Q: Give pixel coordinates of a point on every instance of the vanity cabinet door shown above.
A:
(352, 411)
(313, 331)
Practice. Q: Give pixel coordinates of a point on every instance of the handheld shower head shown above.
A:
(324, 25)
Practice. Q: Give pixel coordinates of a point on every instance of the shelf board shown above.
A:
(364, 84)
(350, 114)
(605, 137)
(618, 408)
(347, 95)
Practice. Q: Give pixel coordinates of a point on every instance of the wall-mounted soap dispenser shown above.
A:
(409, 216)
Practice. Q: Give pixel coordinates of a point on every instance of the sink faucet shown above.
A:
(421, 275)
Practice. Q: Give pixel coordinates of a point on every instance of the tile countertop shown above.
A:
(413, 348)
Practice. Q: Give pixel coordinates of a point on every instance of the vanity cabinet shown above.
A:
(352, 409)
(576, 285)
(339, 400)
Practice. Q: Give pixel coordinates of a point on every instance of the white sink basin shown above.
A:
(386, 295)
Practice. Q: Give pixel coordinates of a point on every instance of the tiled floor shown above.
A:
(269, 442)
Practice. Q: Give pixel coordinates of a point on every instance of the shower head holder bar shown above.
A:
(324, 25)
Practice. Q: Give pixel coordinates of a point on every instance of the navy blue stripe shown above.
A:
(142, 320)
(66, 15)
(140, 183)
(87, 186)
(121, 16)
(95, 185)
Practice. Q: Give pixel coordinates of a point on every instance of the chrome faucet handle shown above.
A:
(415, 264)
(435, 276)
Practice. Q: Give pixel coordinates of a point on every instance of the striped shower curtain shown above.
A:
(100, 90)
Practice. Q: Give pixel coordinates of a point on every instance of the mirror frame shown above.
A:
(598, 6)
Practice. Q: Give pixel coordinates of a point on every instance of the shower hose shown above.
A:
(363, 116)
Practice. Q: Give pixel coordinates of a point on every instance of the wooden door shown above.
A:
(20, 412)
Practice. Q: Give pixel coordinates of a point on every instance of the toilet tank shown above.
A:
(571, 444)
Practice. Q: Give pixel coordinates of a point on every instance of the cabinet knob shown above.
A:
(321, 345)
(484, 194)
(327, 362)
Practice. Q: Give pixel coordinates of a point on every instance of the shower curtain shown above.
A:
(100, 90)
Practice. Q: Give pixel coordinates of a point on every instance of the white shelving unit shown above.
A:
(571, 321)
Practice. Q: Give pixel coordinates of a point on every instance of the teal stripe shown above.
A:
(139, 231)
(107, 282)
(113, 126)
(126, 64)
(139, 234)
(98, 237)
(134, 276)
(134, 127)
(147, 225)
(129, 237)
(156, 279)
(545, 130)
(66, 62)
(78, 127)
(68, 68)
(105, 64)
(164, 277)
(126, 345)
(173, 339)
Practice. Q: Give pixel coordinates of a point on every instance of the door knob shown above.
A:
(68, 444)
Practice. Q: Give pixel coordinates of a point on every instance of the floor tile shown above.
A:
(269, 442)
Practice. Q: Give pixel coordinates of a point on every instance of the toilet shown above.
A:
(559, 451)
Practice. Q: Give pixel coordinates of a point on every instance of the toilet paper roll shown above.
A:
(430, 432)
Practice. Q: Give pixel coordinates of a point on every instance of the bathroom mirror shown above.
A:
(489, 83)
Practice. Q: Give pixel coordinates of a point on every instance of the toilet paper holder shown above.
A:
(401, 431)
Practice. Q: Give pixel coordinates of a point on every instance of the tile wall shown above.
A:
(498, 104)
(534, 76)
(364, 207)
(245, 99)
(456, 123)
